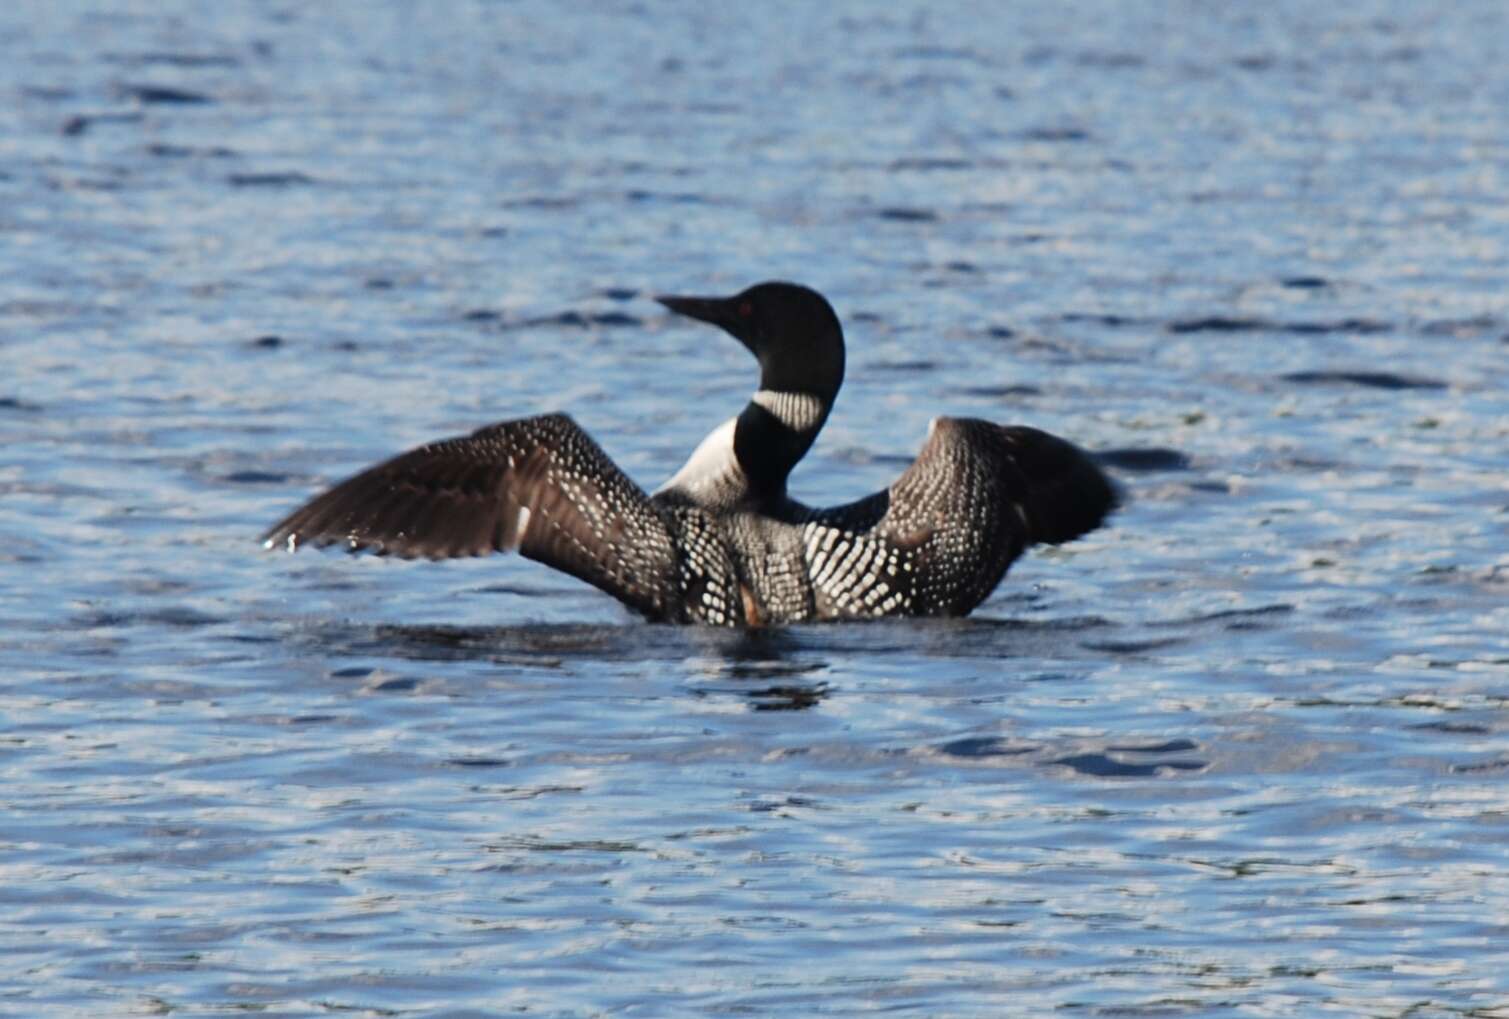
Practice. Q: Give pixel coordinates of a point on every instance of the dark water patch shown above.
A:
(47, 93)
(378, 283)
(559, 320)
(1476, 325)
(543, 203)
(1354, 326)
(1446, 571)
(1368, 379)
(1255, 62)
(540, 644)
(533, 792)
(904, 366)
(171, 59)
(927, 164)
(258, 478)
(17, 404)
(902, 214)
(182, 617)
(1110, 60)
(173, 616)
(1132, 647)
(772, 805)
(866, 457)
(1305, 282)
(293, 720)
(1172, 746)
(165, 151)
(268, 342)
(979, 747)
(479, 762)
(753, 665)
(352, 672)
(1064, 624)
(114, 183)
(1105, 766)
(1408, 702)
(535, 844)
(1234, 618)
(1000, 332)
(1001, 392)
(962, 267)
(308, 719)
(161, 94)
(619, 293)
(1101, 319)
(1455, 728)
(286, 179)
(639, 196)
(1495, 764)
(1218, 324)
(611, 319)
(788, 697)
(383, 683)
(81, 122)
(527, 590)
(1145, 459)
(1246, 324)
(945, 53)
(1055, 134)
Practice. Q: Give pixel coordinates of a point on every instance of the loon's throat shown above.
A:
(773, 434)
(802, 413)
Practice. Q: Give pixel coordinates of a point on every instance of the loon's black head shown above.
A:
(789, 328)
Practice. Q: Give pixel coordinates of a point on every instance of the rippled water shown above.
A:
(1243, 752)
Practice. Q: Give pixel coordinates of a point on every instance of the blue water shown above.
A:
(1241, 753)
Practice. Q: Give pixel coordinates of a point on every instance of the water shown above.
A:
(1241, 753)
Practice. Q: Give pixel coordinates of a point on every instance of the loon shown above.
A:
(722, 542)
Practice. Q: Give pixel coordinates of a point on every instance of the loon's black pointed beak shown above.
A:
(716, 310)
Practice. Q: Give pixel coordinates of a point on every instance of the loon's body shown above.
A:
(721, 542)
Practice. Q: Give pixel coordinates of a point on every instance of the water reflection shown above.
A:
(763, 665)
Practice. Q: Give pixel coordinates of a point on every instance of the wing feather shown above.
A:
(539, 485)
(946, 531)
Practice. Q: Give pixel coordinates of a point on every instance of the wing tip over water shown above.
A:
(540, 486)
(454, 498)
(1062, 493)
(1068, 494)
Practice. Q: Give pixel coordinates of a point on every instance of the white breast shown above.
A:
(711, 475)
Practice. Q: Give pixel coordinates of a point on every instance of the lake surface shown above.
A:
(1243, 752)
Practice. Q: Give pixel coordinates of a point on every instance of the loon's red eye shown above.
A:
(745, 309)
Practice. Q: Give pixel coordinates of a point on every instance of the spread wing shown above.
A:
(941, 537)
(539, 485)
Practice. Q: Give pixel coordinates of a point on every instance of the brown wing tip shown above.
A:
(1068, 494)
(277, 540)
(290, 540)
